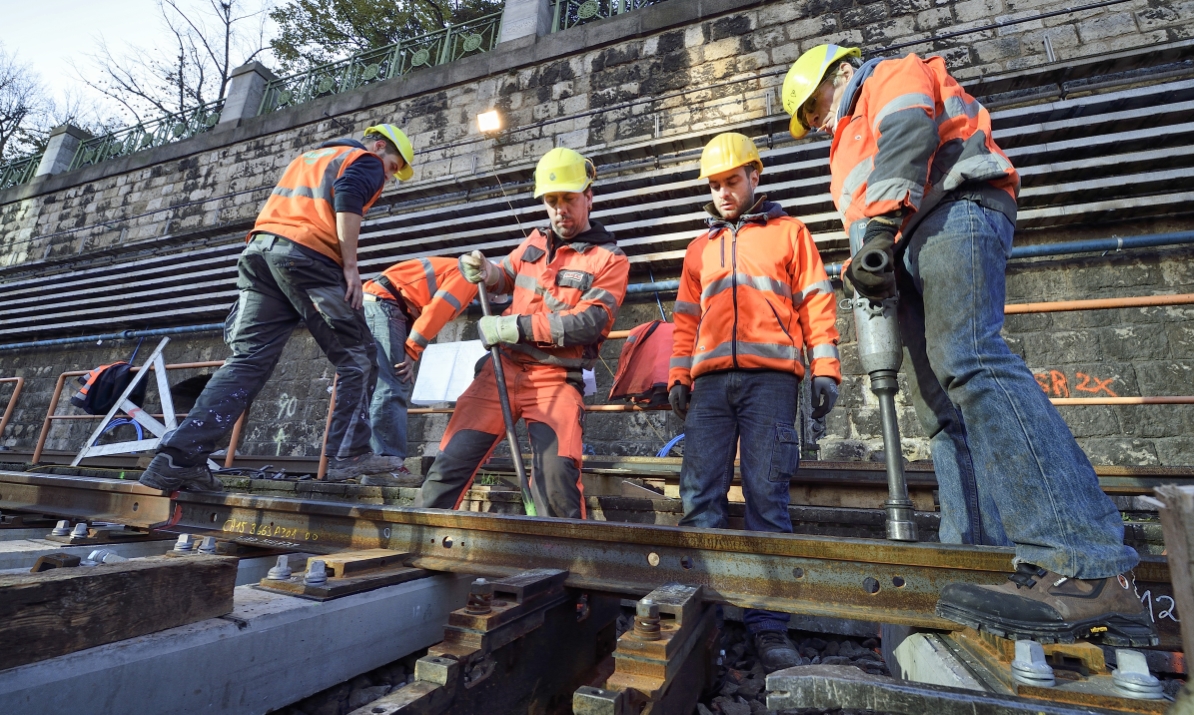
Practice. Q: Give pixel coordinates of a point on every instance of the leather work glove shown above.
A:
(824, 394)
(678, 397)
(872, 269)
(498, 329)
(476, 268)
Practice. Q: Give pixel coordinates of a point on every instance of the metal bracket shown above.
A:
(346, 573)
(525, 627)
(662, 665)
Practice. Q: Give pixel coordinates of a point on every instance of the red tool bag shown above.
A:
(643, 365)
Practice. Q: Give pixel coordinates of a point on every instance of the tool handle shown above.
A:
(499, 372)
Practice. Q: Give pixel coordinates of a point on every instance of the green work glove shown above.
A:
(498, 329)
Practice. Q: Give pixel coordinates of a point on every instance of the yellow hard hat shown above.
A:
(805, 75)
(563, 170)
(399, 139)
(729, 151)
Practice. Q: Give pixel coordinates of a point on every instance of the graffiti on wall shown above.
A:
(1056, 383)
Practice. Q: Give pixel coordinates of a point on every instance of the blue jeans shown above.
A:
(391, 398)
(760, 408)
(1008, 469)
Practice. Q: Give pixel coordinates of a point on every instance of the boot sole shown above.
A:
(1120, 630)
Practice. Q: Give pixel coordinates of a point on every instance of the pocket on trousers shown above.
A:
(785, 454)
(231, 322)
(337, 313)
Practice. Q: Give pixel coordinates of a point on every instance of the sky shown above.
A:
(46, 34)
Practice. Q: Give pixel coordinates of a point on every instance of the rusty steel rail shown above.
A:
(12, 400)
(821, 576)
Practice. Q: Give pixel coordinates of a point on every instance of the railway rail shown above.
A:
(552, 575)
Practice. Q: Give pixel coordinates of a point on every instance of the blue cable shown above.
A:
(668, 447)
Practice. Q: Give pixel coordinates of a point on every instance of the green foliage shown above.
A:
(314, 32)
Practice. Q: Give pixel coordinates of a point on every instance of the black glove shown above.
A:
(678, 396)
(872, 269)
(824, 394)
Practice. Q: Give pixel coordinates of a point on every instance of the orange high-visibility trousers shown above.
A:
(554, 413)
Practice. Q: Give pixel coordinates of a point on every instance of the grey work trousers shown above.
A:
(282, 284)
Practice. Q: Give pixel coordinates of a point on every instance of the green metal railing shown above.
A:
(18, 171)
(570, 13)
(168, 129)
(430, 50)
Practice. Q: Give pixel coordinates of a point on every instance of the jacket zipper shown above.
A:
(734, 289)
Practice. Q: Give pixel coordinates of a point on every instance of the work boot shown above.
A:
(162, 473)
(1038, 604)
(398, 478)
(340, 469)
(775, 651)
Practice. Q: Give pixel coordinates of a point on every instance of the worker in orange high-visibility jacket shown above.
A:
(918, 176)
(300, 266)
(567, 283)
(406, 306)
(753, 301)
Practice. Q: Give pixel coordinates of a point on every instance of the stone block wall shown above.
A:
(1122, 352)
(566, 89)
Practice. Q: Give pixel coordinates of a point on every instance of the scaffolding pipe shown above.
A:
(1098, 244)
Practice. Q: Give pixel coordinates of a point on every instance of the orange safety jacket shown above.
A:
(644, 364)
(753, 295)
(301, 206)
(568, 296)
(431, 291)
(908, 135)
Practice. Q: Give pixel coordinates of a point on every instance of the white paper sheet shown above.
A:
(590, 382)
(446, 371)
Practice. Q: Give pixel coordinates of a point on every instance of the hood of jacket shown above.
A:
(761, 212)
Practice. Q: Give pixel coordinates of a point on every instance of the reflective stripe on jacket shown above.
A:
(301, 205)
(753, 295)
(568, 297)
(433, 292)
(910, 135)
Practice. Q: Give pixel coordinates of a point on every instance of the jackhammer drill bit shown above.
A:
(881, 352)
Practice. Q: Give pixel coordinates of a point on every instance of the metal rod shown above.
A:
(12, 400)
(327, 427)
(45, 425)
(499, 373)
(1058, 306)
(900, 526)
(230, 457)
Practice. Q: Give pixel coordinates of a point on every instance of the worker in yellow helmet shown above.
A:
(300, 266)
(753, 298)
(567, 283)
(923, 187)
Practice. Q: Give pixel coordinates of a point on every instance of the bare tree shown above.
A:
(208, 39)
(23, 101)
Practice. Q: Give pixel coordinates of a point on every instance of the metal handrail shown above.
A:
(54, 398)
(19, 171)
(429, 50)
(147, 135)
(570, 13)
(12, 400)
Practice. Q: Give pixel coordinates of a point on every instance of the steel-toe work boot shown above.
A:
(775, 651)
(365, 463)
(162, 473)
(398, 478)
(1044, 606)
